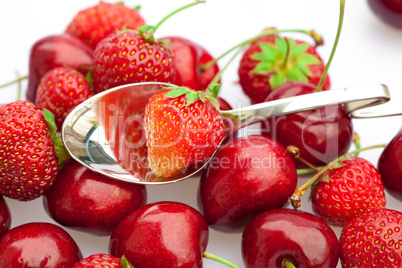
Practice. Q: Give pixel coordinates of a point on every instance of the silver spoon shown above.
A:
(104, 132)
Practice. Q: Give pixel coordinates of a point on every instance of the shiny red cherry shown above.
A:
(284, 235)
(390, 11)
(390, 164)
(55, 51)
(38, 244)
(86, 200)
(5, 218)
(247, 176)
(321, 135)
(189, 59)
(161, 234)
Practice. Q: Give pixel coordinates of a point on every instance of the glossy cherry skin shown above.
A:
(161, 234)
(390, 164)
(300, 237)
(189, 57)
(321, 135)
(55, 51)
(89, 201)
(390, 11)
(5, 217)
(38, 244)
(223, 105)
(247, 176)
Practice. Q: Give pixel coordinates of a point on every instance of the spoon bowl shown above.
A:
(105, 133)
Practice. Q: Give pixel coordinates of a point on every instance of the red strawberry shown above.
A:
(127, 57)
(93, 24)
(60, 90)
(373, 239)
(270, 61)
(28, 161)
(102, 261)
(182, 128)
(345, 191)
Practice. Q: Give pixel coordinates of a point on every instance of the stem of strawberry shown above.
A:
(19, 79)
(338, 34)
(317, 38)
(286, 58)
(295, 198)
(148, 31)
(125, 263)
(218, 259)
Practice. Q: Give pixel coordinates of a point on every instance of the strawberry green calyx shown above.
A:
(125, 263)
(192, 96)
(148, 31)
(287, 264)
(61, 151)
(288, 60)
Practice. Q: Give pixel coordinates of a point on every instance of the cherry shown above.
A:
(189, 59)
(84, 199)
(289, 238)
(390, 11)
(5, 218)
(38, 244)
(247, 176)
(390, 164)
(162, 234)
(321, 135)
(55, 51)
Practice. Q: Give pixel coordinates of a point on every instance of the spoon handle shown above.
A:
(354, 98)
(393, 107)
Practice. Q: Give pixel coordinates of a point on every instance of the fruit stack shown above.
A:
(288, 192)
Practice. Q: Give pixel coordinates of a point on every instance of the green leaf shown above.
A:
(296, 75)
(213, 90)
(269, 52)
(303, 68)
(282, 45)
(263, 68)
(137, 7)
(145, 28)
(298, 50)
(175, 92)
(61, 151)
(192, 97)
(336, 165)
(277, 79)
(125, 263)
(51, 124)
(307, 59)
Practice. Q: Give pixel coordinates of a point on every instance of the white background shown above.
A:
(369, 52)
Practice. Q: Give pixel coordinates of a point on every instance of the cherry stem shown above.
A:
(19, 86)
(218, 259)
(174, 12)
(19, 79)
(338, 34)
(287, 264)
(295, 153)
(295, 198)
(220, 72)
(317, 38)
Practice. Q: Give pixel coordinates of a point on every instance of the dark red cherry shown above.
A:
(390, 164)
(5, 218)
(321, 134)
(38, 244)
(390, 11)
(276, 236)
(86, 200)
(247, 176)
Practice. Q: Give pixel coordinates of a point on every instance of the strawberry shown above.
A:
(128, 57)
(101, 260)
(93, 24)
(373, 239)
(182, 127)
(29, 151)
(60, 90)
(271, 61)
(346, 190)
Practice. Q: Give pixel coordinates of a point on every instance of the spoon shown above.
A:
(105, 132)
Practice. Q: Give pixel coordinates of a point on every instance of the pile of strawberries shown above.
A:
(108, 45)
